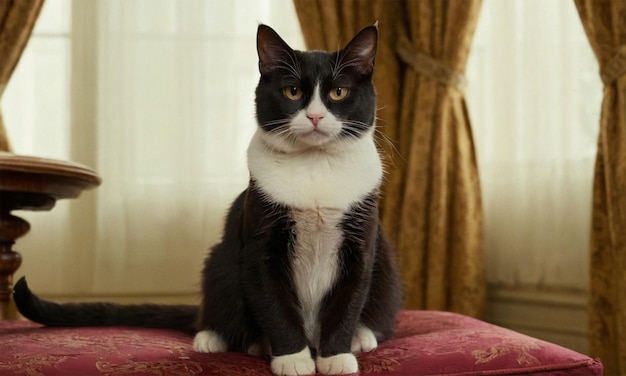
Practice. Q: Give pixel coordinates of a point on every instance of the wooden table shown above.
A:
(30, 183)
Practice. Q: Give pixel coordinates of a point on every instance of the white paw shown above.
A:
(337, 364)
(295, 364)
(207, 341)
(363, 340)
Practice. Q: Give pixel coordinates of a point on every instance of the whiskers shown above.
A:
(356, 129)
(387, 147)
(292, 66)
(341, 64)
(280, 133)
(282, 136)
(272, 124)
(384, 142)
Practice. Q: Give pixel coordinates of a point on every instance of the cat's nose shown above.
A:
(315, 119)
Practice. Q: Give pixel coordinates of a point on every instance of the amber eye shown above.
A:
(292, 92)
(338, 94)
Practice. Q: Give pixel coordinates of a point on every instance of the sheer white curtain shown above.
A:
(534, 99)
(176, 105)
(172, 89)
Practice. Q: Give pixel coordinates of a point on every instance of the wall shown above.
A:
(558, 317)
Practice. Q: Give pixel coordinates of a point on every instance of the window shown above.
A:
(156, 96)
(534, 100)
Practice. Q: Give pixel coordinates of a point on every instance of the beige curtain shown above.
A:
(605, 24)
(17, 18)
(431, 206)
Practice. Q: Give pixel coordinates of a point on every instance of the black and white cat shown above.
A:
(303, 270)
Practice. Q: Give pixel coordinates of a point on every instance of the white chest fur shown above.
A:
(309, 179)
(315, 262)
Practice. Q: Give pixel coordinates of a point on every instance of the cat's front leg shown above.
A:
(341, 331)
(363, 340)
(334, 356)
(280, 321)
(291, 355)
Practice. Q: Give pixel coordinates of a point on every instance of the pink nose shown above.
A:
(315, 119)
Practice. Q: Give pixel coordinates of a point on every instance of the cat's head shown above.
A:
(315, 99)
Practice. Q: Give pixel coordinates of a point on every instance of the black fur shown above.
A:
(179, 317)
(248, 295)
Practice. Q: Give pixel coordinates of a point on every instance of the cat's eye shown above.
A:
(292, 92)
(338, 94)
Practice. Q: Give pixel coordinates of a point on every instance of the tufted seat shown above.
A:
(426, 343)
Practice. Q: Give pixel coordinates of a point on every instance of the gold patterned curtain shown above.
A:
(431, 205)
(605, 24)
(17, 18)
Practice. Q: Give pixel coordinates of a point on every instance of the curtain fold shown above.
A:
(604, 22)
(17, 19)
(431, 206)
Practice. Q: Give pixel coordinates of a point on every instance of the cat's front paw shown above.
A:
(207, 341)
(337, 364)
(363, 340)
(295, 364)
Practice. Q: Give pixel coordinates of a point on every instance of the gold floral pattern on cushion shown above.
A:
(172, 368)
(426, 343)
(523, 356)
(385, 359)
(29, 364)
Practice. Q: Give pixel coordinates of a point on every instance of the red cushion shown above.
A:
(426, 343)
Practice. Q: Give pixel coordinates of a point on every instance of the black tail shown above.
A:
(179, 317)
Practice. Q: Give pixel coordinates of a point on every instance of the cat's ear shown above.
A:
(272, 49)
(361, 50)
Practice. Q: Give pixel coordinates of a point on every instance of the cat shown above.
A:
(303, 271)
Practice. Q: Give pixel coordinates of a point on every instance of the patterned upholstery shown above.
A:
(426, 343)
